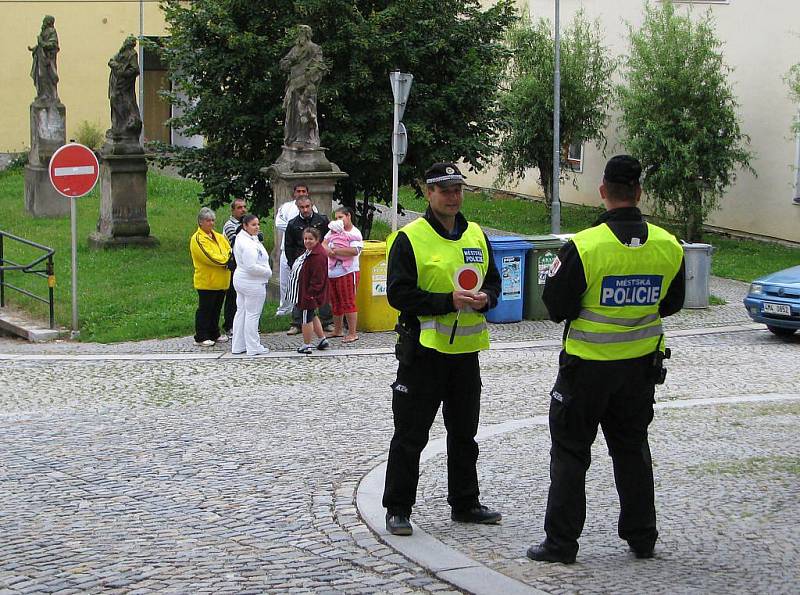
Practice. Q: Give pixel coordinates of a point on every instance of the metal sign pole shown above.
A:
(74, 170)
(395, 165)
(73, 215)
(555, 203)
(401, 87)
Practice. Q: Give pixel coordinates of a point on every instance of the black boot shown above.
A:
(398, 524)
(542, 553)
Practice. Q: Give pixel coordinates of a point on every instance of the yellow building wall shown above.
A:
(89, 34)
(761, 40)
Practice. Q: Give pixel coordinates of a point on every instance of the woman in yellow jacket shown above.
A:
(210, 252)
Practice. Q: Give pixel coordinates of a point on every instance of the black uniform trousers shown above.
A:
(434, 378)
(229, 312)
(617, 395)
(206, 318)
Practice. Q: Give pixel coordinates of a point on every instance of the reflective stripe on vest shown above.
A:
(437, 261)
(443, 328)
(624, 337)
(595, 317)
(624, 286)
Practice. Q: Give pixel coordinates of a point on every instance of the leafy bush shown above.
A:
(793, 80)
(527, 101)
(89, 134)
(680, 115)
(18, 161)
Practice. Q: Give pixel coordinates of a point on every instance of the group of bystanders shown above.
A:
(319, 274)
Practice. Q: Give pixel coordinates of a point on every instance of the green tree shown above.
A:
(679, 115)
(224, 57)
(527, 100)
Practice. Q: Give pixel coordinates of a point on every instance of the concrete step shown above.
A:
(18, 323)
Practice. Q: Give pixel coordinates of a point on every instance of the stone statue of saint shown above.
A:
(305, 66)
(126, 121)
(44, 71)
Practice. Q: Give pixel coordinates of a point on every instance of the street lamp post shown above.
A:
(555, 204)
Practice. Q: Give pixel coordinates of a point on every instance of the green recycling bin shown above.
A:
(540, 257)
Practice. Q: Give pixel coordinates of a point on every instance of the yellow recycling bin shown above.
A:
(374, 311)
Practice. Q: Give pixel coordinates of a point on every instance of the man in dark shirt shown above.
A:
(441, 330)
(611, 284)
(230, 229)
(294, 247)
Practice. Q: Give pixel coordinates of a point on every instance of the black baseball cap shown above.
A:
(623, 169)
(444, 174)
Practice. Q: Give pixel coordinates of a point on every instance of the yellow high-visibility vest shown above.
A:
(437, 261)
(619, 316)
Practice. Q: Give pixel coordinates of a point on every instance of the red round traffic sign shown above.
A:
(74, 170)
(467, 278)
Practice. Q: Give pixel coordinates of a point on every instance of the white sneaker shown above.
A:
(262, 351)
(222, 339)
(206, 343)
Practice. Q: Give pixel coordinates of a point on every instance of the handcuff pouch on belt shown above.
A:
(657, 370)
(407, 341)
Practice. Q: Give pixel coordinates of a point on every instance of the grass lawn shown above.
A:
(136, 293)
(124, 294)
(732, 258)
(129, 293)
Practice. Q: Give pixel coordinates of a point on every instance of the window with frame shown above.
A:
(575, 157)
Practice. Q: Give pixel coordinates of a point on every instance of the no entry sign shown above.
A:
(74, 170)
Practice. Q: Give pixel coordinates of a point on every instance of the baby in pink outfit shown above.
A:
(339, 238)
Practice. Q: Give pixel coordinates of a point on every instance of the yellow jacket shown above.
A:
(210, 258)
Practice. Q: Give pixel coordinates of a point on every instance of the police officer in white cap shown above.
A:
(612, 284)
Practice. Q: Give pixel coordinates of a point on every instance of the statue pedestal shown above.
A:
(300, 165)
(48, 134)
(123, 206)
(41, 199)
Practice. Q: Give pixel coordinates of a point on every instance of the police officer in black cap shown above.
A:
(441, 330)
(612, 284)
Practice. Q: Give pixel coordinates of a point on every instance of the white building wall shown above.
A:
(761, 40)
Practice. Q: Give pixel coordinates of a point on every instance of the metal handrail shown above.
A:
(47, 272)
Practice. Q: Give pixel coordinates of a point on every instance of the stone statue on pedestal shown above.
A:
(123, 168)
(306, 67)
(302, 159)
(126, 120)
(44, 71)
(48, 120)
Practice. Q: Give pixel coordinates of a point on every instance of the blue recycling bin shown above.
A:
(509, 256)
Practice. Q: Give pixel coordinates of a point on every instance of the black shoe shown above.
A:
(398, 524)
(642, 553)
(542, 553)
(477, 514)
(323, 344)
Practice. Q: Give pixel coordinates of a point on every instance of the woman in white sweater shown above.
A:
(250, 281)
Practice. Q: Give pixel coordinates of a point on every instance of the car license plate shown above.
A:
(782, 309)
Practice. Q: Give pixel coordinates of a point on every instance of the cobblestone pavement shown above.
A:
(239, 475)
(727, 479)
